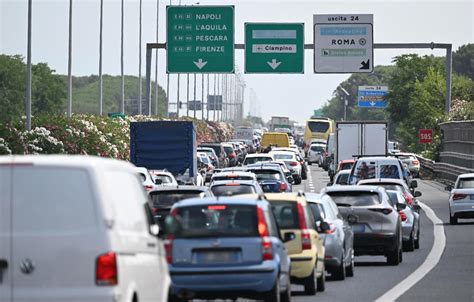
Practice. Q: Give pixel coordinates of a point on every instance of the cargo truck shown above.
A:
(169, 145)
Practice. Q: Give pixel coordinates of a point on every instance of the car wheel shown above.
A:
(321, 283)
(173, 298)
(409, 246)
(417, 240)
(350, 268)
(310, 284)
(286, 295)
(274, 294)
(453, 219)
(298, 180)
(310, 163)
(340, 272)
(394, 256)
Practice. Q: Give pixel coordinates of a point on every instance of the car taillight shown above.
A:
(457, 196)
(403, 216)
(267, 248)
(415, 162)
(169, 249)
(106, 269)
(232, 155)
(294, 163)
(148, 188)
(305, 240)
(283, 187)
(408, 198)
(332, 229)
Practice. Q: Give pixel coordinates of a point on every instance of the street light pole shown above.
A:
(345, 102)
(28, 71)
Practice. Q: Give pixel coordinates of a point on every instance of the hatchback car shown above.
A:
(411, 161)
(211, 153)
(233, 175)
(146, 178)
(292, 162)
(164, 178)
(235, 187)
(378, 229)
(315, 154)
(226, 248)
(256, 158)
(338, 237)
(231, 154)
(410, 221)
(461, 198)
(222, 159)
(341, 178)
(306, 250)
(271, 178)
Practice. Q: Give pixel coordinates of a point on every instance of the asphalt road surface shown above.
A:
(450, 279)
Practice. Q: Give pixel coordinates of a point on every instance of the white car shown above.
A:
(315, 153)
(147, 180)
(292, 163)
(81, 231)
(461, 198)
(256, 158)
(164, 178)
(342, 177)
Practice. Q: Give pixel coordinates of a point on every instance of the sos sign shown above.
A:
(425, 136)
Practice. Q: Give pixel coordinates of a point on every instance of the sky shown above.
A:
(293, 95)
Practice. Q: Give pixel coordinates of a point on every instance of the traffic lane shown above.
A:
(373, 277)
(452, 279)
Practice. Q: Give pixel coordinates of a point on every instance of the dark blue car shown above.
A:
(271, 178)
(226, 248)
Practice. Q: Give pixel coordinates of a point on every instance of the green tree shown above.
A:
(463, 61)
(12, 88)
(48, 90)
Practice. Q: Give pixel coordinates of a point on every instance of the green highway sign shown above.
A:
(200, 39)
(274, 48)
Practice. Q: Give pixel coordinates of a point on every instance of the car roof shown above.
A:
(275, 167)
(258, 155)
(216, 200)
(382, 180)
(236, 181)
(352, 188)
(345, 161)
(282, 152)
(466, 175)
(294, 197)
(231, 169)
(345, 171)
(378, 158)
(228, 173)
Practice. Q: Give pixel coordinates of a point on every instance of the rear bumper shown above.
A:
(333, 252)
(223, 282)
(462, 209)
(302, 265)
(374, 244)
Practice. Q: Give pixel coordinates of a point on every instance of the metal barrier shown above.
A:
(430, 169)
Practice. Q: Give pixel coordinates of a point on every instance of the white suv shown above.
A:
(77, 228)
(461, 198)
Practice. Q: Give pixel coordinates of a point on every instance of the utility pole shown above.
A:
(101, 92)
(207, 99)
(69, 64)
(122, 100)
(214, 111)
(156, 62)
(187, 94)
(345, 101)
(140, 60)
(202, 96)
(194, 100)
(177, 98)
(28, 71)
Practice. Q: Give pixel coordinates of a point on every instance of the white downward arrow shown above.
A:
(372, 104)
(274, 64)
(200, 64)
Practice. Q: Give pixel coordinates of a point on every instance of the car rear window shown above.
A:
(165, 179)
(466, 183)
(267, 174)
(389, 171)
(342, 179)
(317, 148)
(253, 160)
(168, 198)
(346, 166)
(286, 214)
(216, 148)
(228, 177)
(230, 190)
(217, 220)
(359, 199)
(283, 156)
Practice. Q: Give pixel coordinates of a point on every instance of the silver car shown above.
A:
(338, 239)
(378, 227)
(461, 198)
(410, 221)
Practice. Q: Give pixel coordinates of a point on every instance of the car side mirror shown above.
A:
(158, 181)
(449, 188)
(413, 184)
(401, 206)
(180, 182)
(323, 227)
(329, 184)
(153, 227)
(290, 179)
(417, 194)
(417, 207)
(289, 236)
(352, 219)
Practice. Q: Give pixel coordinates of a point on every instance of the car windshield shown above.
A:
(286, 214)
(217, 220)
(168, 198)
(283, 156)
(253, 160)
(355, 198)
(267, 175)
(466, 183)
(318, 126)
(232, 189)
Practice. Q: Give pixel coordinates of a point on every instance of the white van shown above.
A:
(75, 228)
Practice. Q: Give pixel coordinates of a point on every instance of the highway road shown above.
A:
(449, 280)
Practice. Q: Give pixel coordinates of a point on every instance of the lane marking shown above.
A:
(430, 262)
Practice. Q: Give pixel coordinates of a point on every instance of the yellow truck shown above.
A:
(274, 139)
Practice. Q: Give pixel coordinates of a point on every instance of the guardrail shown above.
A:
(431, 169)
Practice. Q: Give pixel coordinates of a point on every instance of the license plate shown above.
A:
(217, 257)
(358, 228)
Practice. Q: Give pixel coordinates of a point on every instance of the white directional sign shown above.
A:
(343, 43)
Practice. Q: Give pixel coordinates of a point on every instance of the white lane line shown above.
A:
(430, 262)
